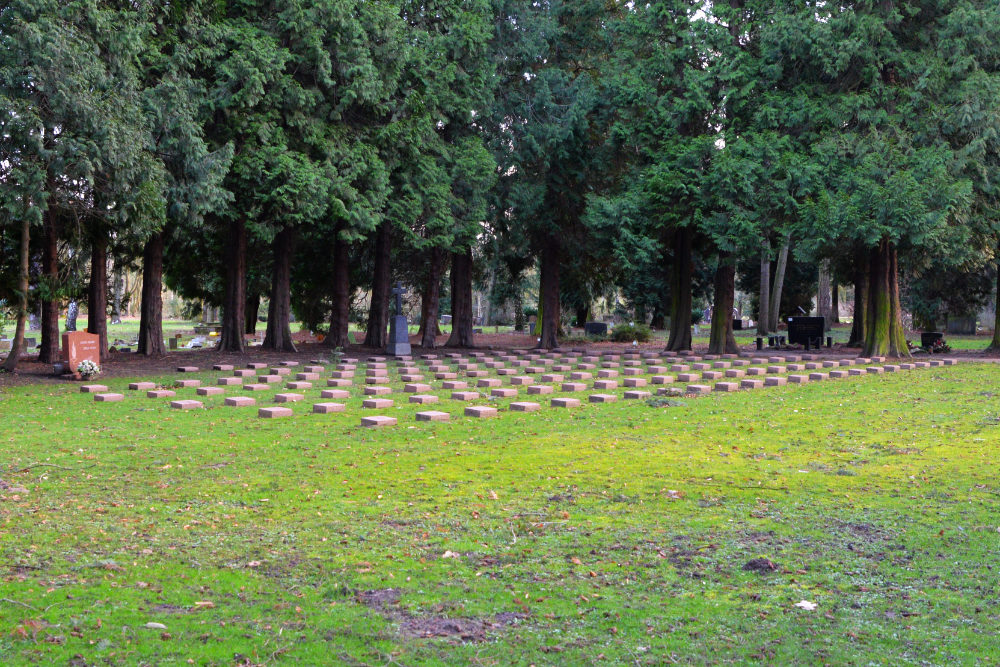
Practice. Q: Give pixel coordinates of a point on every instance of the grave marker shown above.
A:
(80, 346)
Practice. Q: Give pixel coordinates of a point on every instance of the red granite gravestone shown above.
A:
(80, 346)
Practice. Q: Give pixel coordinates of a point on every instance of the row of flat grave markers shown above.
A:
(539, 373)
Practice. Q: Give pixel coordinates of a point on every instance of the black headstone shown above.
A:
(928, 338)
(806, 331)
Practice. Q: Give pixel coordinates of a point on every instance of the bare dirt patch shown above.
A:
(386, 602)
(760, 566)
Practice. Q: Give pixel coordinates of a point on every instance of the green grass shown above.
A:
(618, 532)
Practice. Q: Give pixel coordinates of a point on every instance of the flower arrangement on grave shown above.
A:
(88, 369)
(939, 346)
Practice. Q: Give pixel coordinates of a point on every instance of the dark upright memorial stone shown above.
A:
(595, 328)
(399, 335)
(929, 338)
(807, 331)
(737, 325)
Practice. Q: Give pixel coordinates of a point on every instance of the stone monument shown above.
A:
(399, 335)
(79, 346)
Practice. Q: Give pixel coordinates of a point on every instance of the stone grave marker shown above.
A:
(80, 346)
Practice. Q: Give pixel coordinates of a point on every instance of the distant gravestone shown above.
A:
(962, 326)
(596, 328)
(34, 324)
(446, 319)
(80, 346)
(399, 336)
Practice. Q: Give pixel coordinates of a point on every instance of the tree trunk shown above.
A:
(824, 301)
(117, 287)
(340, 312)
(680, 291)
(97, 293)
(490, 315)
(659, 318)
(764, 307)
(279, 312)
(49, 352)
(549, 297)
(461, 300)
(431, 300)
(234, 302)
(862, 274)
(151, 309)
(10, 363)
(834, 303)
(885, 336)
(779, 284)
(722, 340)
(995, 343)
(582, 316)
(377, 335)
(519, 322)
(72, 313)
(252, 313)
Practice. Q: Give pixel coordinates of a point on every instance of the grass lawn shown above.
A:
(604, 534)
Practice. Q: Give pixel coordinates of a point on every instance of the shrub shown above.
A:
(626, 333)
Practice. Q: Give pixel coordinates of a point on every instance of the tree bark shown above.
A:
(10, 363)
(862, 274)
(995, 343)
(431, 300)
(824, 301)
(490, 315)
(764, 307)
(49, 351)
(279, 312)
(582, 316)
(722, 340)
(834, 303)
(97, 293)
(341, 293)
(234, 316)
(680, 291)
(519, 322)
(252, 313)
(885, 336)
(117, 286)
(658, 320)
(377, 335)
(151, 309)
(461, 300)
(549, 296)
(779, 283)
